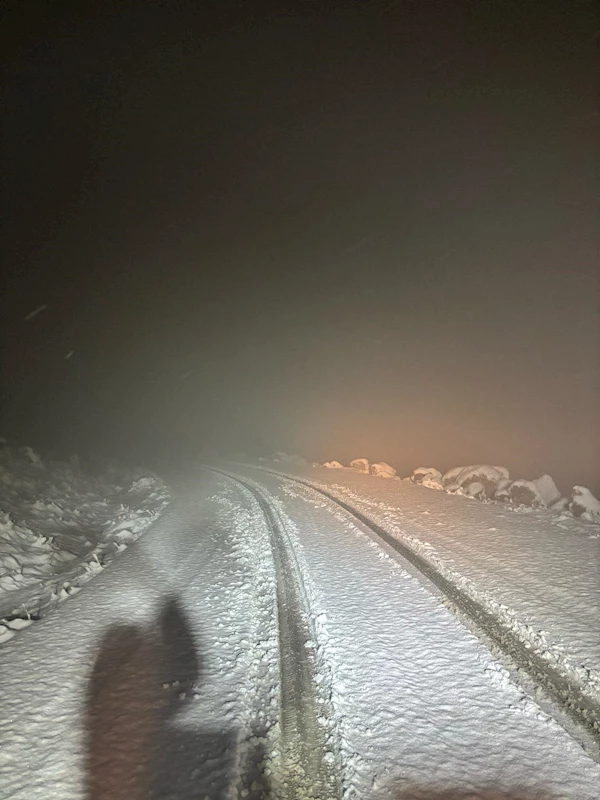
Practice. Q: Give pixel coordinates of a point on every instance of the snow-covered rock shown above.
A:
(382, 470)
(489, 477)
(421, 473)
(360, 464)
(561, 504)
(452, 488)
(485, 481)
(547, 489)
(584, 504)
(539, 493)
(503, 490)
(431, 482)
(450, 476)
(525, 493)
(333, 465)
(475, 489)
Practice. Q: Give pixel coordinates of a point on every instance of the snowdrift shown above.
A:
(59, 525)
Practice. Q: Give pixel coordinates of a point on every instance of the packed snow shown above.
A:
(60, 525)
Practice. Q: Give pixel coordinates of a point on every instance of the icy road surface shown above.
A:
(250, 616)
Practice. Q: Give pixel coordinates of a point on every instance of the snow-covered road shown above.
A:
(166, 677)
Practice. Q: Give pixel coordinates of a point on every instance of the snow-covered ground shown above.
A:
(420, 702)
(162, 678)
(536, 568)
(60, 525)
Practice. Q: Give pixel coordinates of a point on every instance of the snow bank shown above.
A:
(360, 464)
(382, 470)
(59, 525)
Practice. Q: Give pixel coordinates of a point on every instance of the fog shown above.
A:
(333, 229)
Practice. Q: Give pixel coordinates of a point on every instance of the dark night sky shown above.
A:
(333, 228)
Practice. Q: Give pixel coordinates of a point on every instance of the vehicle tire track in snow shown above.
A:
(581, 711)
(307, 771)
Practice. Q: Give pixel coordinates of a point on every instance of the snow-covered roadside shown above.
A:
(535, 570)
(60, 525)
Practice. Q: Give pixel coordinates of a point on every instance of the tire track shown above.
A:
(307, 771)
(579, 710)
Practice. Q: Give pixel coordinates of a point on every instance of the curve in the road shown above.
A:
(581, 709)
(306, 761)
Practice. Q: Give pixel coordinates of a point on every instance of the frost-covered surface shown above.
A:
(59, 525)
(537, 569)
(360, 465)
